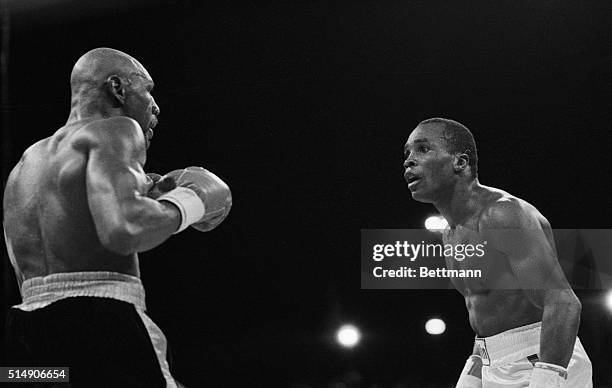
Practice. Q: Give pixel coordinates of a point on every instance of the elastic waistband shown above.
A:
(39, 292)
(509, 346)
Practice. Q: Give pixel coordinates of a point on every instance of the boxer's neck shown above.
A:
(84, 108)
(459, 202)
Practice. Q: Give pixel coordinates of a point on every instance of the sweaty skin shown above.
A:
(77, 200)
(522, 281)
(495, 302)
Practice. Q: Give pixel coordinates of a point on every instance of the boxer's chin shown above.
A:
(419, 197)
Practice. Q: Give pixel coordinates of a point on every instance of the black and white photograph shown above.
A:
(402, 194)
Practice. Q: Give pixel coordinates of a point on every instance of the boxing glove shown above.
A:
(203, 199)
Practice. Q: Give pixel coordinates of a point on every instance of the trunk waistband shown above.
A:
(41, 291)
(509, 346)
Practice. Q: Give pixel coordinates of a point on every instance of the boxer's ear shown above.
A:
(461, 162)
(116, 87)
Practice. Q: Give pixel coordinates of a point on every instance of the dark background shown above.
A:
(304, 109)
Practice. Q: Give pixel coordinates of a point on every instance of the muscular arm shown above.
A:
(519, 231)
(126, 220)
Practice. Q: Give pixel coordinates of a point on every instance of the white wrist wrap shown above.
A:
(189, 204)
(547, 375)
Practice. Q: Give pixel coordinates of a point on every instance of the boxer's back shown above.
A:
(47, 223)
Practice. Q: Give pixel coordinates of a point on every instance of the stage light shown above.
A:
(436, 223)
(435, 326)
(609, 300)
(348, 336)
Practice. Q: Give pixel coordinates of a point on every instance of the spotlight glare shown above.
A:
(436, 223)
(348, 336)
(609, 300)
(435, 326)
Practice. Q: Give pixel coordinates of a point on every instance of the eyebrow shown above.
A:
(417, 141)
(422, 140)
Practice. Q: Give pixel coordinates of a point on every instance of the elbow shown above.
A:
(571, 305)
(121, 241)
(576, 310)
(564, 301)
(578, 305)
(574, 303)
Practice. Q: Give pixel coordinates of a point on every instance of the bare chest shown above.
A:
(486, 268)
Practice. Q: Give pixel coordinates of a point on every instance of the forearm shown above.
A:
(560, 321)
(135, 225)
(150, 223)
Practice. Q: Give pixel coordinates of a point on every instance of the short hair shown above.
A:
(459, 139)
(91, 70)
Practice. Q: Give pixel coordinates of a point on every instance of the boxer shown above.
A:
(78, 207)
(525, 314)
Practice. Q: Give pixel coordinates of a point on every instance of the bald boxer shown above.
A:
(524, 313)
(78, 208)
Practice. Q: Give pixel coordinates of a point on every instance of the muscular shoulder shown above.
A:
(505, 211)
(114, 129)
(121, 134)
(33, 153)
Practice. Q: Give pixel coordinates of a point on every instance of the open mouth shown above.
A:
(412, 181)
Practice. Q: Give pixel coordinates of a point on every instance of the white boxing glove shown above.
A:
(547, 375)
(471, 375)
(203, 199)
